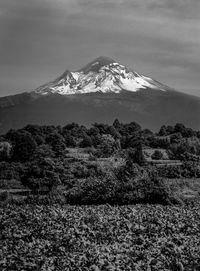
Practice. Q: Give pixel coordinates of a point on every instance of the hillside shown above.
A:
(150, 109)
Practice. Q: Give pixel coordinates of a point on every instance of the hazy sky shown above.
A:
(39, 39)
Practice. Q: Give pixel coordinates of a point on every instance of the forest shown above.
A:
(115, 164)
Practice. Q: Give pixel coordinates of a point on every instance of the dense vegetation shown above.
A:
(112, 165)
(134, 238)
(116, 164)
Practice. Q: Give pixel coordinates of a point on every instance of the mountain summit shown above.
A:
(97, 63)
(102, 75)
(101, 91)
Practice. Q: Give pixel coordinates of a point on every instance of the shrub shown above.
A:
(113, 189)
(150, 190)
(93, 191)
(186, 170)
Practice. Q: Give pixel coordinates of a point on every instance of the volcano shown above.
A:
(101, 91)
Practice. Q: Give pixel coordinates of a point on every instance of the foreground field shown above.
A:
(100, 238)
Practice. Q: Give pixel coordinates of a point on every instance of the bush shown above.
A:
(186, 170)
(155, 191)
(151, 190)
(111, 189)
(93, 191)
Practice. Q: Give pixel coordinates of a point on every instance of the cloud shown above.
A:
(40, 39)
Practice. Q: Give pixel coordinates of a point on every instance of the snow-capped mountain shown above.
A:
(101, 75)
(101, 91)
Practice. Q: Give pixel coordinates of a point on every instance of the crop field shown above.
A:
(140, 237)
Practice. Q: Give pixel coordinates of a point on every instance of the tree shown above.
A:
(70, 126)
(43, 151)
(135, 140)
(10, 171)
(57, 142)
(5, 151)
(139, 156)
(113, 132)
(130, 129)
(157, 155)
(51, 180)
(179, 128)
(146, 132)
(86, 142)
(107, 145)
(130, 170)
(170, 129)
(39, 139)
(176, 138)
(163, 131)
(93, 131)
(41, 174)
(24, 146)
(103, 128)
(116, 124)
(69, 140)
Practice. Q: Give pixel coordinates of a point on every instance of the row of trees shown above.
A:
(33, 140)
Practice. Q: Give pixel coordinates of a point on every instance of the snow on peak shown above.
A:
(101, 75)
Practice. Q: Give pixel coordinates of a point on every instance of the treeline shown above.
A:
(37, 157)
(33, 140)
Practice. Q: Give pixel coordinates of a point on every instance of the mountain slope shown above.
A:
(100, 92)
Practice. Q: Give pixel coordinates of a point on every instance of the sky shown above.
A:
(40, 39)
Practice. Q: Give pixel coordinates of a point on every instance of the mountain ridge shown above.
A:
(103, 74)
